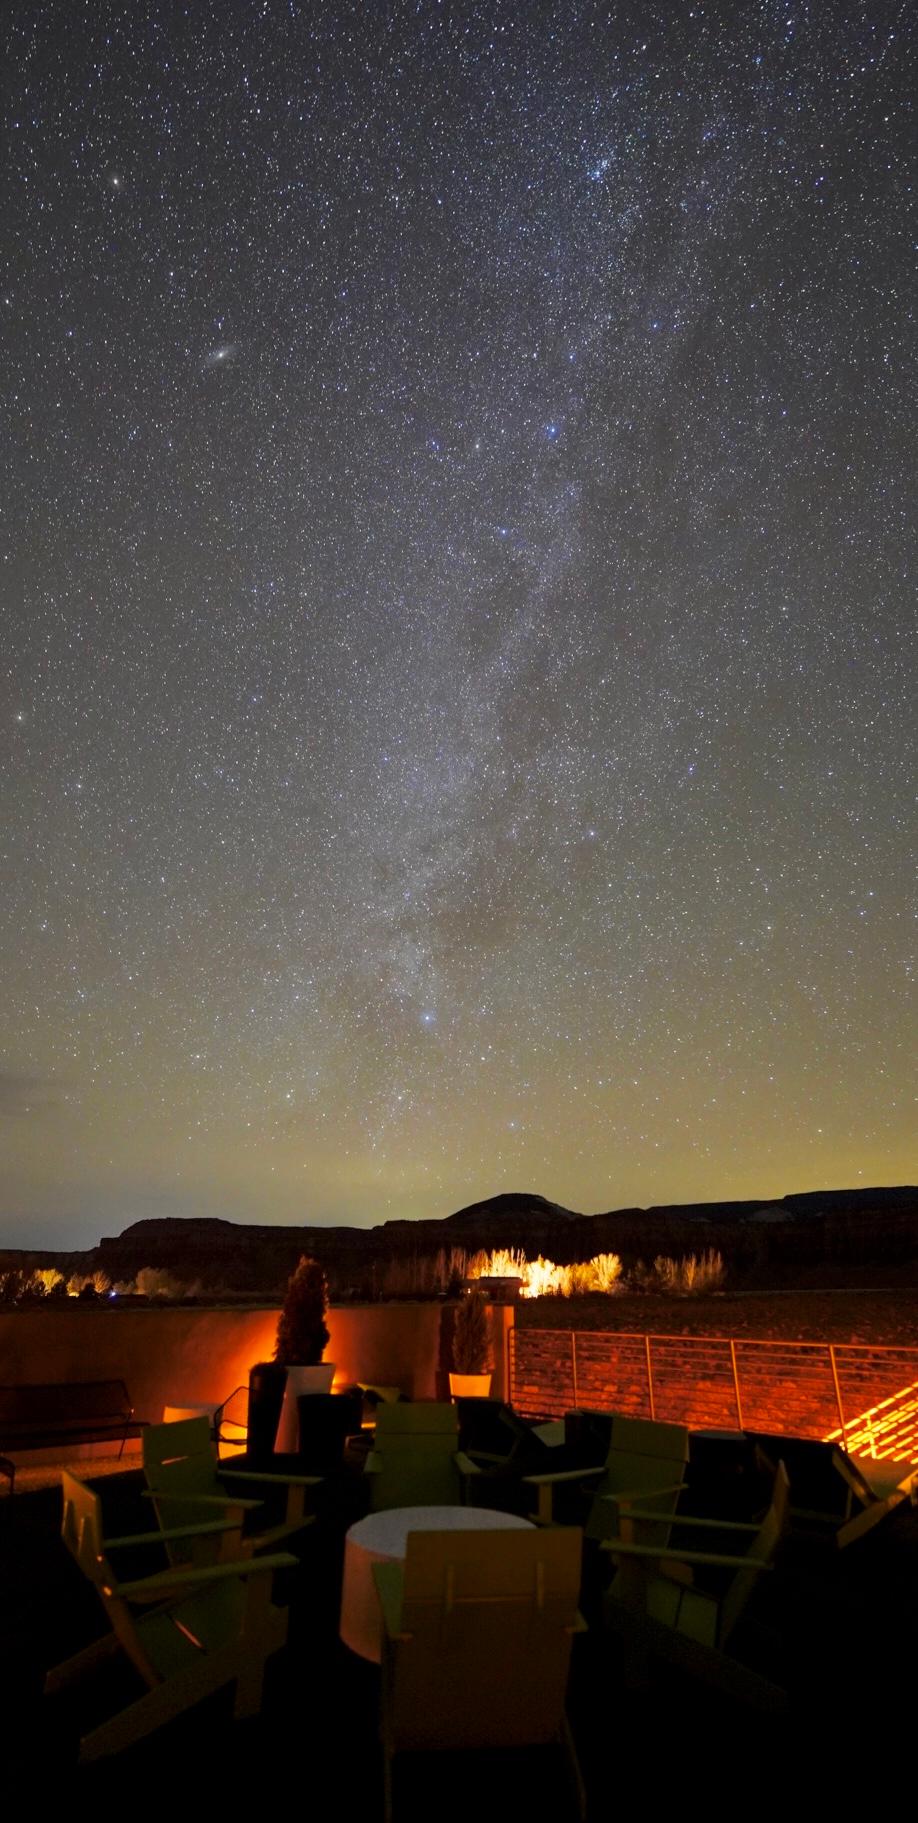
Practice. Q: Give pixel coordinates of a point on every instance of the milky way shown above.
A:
(458, 585)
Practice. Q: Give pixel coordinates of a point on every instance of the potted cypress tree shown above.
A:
(471, 1349)
(301, 1340)
(302, 1334)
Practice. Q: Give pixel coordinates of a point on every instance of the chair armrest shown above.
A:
(665, 1554)
(274, 1539)
(465, 1465)
(682, 1519)
(220, 1501)
(211, 1529)
(388, 1579)
(852, 1476)
(628, 1497)
(271, 1477)
(557, 1476)
(553, 1478)
(167, 1580)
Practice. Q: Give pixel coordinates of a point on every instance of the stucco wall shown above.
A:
(183, 1356)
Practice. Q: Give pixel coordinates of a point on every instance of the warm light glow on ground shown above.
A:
(888, 1432)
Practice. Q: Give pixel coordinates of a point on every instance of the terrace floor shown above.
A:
(838, 1623)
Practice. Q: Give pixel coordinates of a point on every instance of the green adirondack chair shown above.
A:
(477, 1631)
(416, 1459)
(646, 1463)
(187, 1483)
(847, 1494)
(187, 1632)
(879, 1487)
(660, 1610)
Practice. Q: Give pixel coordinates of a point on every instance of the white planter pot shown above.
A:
(300, 1380)
(470, 1386)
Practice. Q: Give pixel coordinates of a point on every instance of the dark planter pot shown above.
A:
(481, 1426)
(267, 1381)
(326, 1420)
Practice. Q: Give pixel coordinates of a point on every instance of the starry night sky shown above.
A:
(458, 563)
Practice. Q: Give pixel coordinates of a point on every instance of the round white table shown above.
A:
(382, 1538)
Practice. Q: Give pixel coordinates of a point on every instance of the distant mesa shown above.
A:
(836, 1228)
(509, 1207)
(182, 1227)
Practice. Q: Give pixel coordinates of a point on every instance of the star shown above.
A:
(450, 685)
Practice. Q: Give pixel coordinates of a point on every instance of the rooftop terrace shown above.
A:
(828, 1625)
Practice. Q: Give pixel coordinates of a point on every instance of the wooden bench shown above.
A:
(57, 1415)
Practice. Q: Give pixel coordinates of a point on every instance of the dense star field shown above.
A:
(458, 569)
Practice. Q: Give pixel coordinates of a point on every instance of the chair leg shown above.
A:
(73, 1670)
(574, 1768)
(249, 1686)
(151, 1711)
(387, 1784)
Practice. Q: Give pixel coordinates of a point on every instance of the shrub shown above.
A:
(607, 1272)
(46, 1281)
(156, 1282)
(543, 1279)
(692, 1276)
(80, 1284)
(503, 1263)
(422, 1275)
(302, 1332)
(453, 1268)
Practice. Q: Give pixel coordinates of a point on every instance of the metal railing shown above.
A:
(863, 1397)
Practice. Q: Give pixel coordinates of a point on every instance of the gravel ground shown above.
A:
(866, 1315)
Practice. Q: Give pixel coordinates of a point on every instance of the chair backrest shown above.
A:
(81, 1531)
(185, 1448)
(425, 1418)
(818, 1488)
(484, 1650)
(416, 1472)
(646, 1458)
(179, 1458)
(494, 1430)
(762, 1550)
(81, 1528)
(415, 1456)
